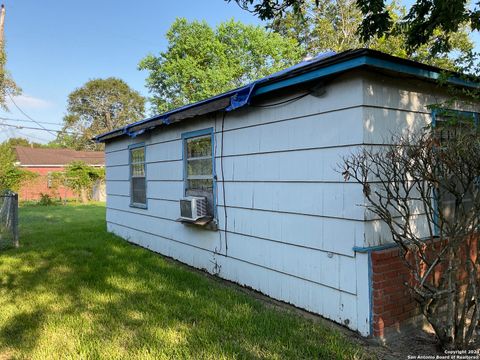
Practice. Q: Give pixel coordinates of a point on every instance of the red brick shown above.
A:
(39, 185)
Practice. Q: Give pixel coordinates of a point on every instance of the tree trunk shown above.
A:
(83, 195)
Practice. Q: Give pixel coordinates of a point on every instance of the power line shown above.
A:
(51, 131)
(19, 120)
(32, 137)
(15, 133)
(26, 115)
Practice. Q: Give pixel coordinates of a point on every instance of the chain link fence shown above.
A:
(8, 220)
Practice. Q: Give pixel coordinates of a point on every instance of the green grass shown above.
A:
(74, 291)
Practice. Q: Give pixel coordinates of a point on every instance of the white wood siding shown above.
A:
(397, 106)
(292, 220)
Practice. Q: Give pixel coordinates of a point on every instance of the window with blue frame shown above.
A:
(138, 186)
(199, 172)
(447, 125)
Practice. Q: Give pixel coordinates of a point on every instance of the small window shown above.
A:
(199, 166)
(448, 124)
(138, 193)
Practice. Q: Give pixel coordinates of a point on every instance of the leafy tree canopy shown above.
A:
(99, 106)
(80, 177)
(201, 61)
(333, 25)
(11, 176)
(7, 85)
(19, 141)
(426, 20)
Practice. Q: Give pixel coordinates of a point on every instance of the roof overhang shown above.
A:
(309, 71)
(53, 165)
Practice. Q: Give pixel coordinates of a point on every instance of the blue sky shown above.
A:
(54, 47)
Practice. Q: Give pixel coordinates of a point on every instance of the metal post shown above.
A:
(15, 219)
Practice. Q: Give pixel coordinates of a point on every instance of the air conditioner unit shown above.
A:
(193, 208)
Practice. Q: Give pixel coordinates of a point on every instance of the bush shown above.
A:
(45, 200)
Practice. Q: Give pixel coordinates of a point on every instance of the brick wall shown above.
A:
(392, 302)
(33, 188)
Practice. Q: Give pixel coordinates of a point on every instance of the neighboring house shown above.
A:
(266, 157)
(44, 162)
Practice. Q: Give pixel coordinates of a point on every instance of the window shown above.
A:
(199, 165)
(448, 124)
(138, 193)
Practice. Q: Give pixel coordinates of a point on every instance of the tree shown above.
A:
(201, 62)
(80, 177)
(426, 21)
(8, 87)
(99, 106)
(333, 25)
(19, 141)
(430, 180)
(11, 176)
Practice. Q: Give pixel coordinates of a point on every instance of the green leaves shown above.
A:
(99, 106)
(425, 17)
(201, 61)
(11, 176)
(338, 24)
(81, 177)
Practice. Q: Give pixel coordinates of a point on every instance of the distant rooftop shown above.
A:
(28, 156)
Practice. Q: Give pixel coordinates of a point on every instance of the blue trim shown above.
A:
(436, 228)
(358, 62)
(194, 134)
(367, 249)
(312, 75)
(443, 111)
(131, 147)
(134, 146)
(417, 71)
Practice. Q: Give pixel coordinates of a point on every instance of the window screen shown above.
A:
(447, 127)
(199, 163)
(138, 195)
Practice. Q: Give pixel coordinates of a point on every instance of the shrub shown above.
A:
(45, 200)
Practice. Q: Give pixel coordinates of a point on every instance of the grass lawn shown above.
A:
(74, 291)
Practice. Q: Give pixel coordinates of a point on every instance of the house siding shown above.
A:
(394, 106)
(292, 221)
(398, 106)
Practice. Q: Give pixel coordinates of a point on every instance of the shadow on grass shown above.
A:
(22, 330)
(118, 300)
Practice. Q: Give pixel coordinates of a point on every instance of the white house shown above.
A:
(280, 217)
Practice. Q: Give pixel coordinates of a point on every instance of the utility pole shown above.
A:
(2, 25)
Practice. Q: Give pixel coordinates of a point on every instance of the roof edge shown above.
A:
(313, 70)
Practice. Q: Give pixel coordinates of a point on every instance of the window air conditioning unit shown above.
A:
(193, 208)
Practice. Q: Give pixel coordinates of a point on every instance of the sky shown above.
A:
(54, 47)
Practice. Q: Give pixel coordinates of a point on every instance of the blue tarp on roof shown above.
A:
(239, 97)
(325, 64)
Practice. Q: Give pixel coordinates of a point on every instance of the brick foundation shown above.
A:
(392, 302)
(393, 305)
